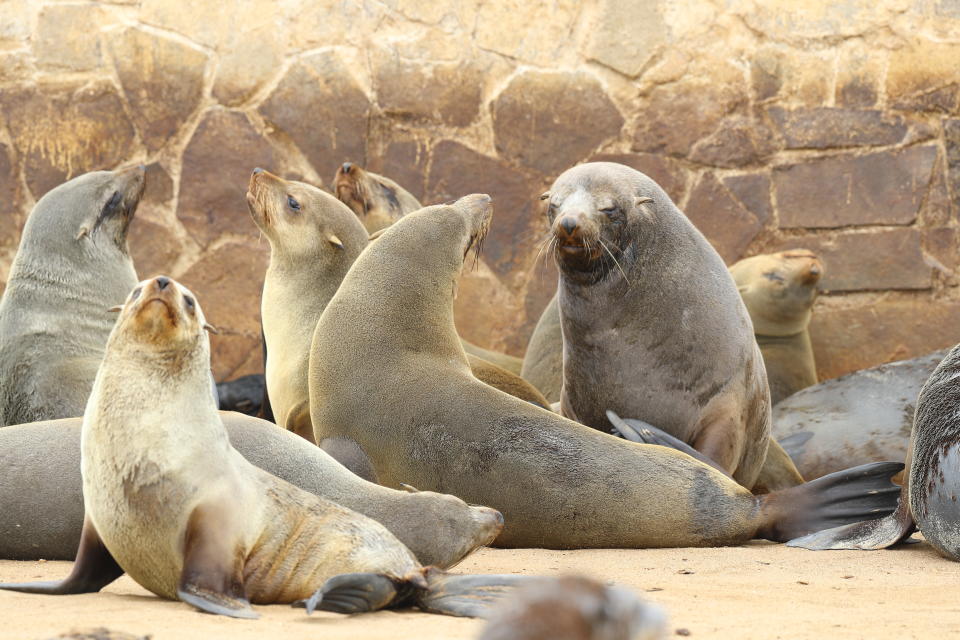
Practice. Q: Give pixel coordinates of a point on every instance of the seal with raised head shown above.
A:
(71, 267)
(174, 505)
(653, 327)
(42, 498)
(929, 496)
(379, 202)
(314, 239)
(559, 484)
(779, 290)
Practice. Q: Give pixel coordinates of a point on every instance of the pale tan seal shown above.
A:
(379, 202)
(174, 505)
(559, 484)
(42, 499)
(71, 267)
(574, 608)
(779, 290)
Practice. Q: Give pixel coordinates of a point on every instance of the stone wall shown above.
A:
(828, 124)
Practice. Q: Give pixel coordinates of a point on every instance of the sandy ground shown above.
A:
(760, 590)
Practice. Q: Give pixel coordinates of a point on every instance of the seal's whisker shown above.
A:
(615, 261)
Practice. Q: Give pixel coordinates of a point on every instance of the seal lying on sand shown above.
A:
(558, 484)
(379, 202)
(173, 504)
(779, 290)
(861, 417)
(928, 499)
(574, 608)
(41, 501)
(314, 240)
(71, 267)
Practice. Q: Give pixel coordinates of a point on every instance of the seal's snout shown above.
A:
(257, 170)
(162, 282)
(568, 224)
(345, 168)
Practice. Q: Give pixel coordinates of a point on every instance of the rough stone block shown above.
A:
(666, 172)
(723, 218)
(626, 33)
(829, 127)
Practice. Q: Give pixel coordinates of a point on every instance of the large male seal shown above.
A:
(928, 499)
(173, 504)
(379, 202)
(779, 290)
(559, 484)
(41, 501)
(314, 239)
(653, 327)
(864, 416)
(71, 267)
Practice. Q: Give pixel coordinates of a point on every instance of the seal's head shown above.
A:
(595, 212)
(302, 221)
(779, 289)
(87, 216)
(163, 317)
(377, 200)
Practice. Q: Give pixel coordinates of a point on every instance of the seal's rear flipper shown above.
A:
(212, 576)
(93, 569)
(840, 498)
(872, 534)
(468, 596)
(354, 593)
(645, 433)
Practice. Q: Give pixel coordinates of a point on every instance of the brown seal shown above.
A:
(574, 608)
(379, 202)
(779, 290)
(179, 509)
(559, 484)
(71, 267)
(928, 499)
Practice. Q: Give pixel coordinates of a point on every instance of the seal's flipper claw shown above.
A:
(871, 534)
(212, 576)
(467, 596)
(354, 593)
(645, 433)
(93, 569)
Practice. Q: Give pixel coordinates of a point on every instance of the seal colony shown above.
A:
(189, 518)
(434, 426)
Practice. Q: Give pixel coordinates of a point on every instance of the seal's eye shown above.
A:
(135, 294)
(189, 302)
(609, 210)
(291, 201)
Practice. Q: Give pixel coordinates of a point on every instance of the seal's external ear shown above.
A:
(408, 488)
(376, 234)
(642, 200)
(83, 232)
(212, 329)
(544, 195)
(742, 289)
(335, 241)
(116, 309)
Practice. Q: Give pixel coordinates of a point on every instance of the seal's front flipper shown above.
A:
(468, 596)
(872, 534)
(347, 452)
(840, 498)
(212, 577)
(355, 593)
(93, 569)
(645, 433)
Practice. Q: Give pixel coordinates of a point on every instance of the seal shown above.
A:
(559, 484)
(574, 608)
(640, 291)
(187, 517)
(376, 200)
(928, 498)
(314, 239)
(779, 290)
(71, 267)
(379, 202)
(42, 498)
(861, 417)
(543, 360)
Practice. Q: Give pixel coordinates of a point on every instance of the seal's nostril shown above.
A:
(346, 167)
(258, 170)
(568, 224)
(499, 517)
(163, 282)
